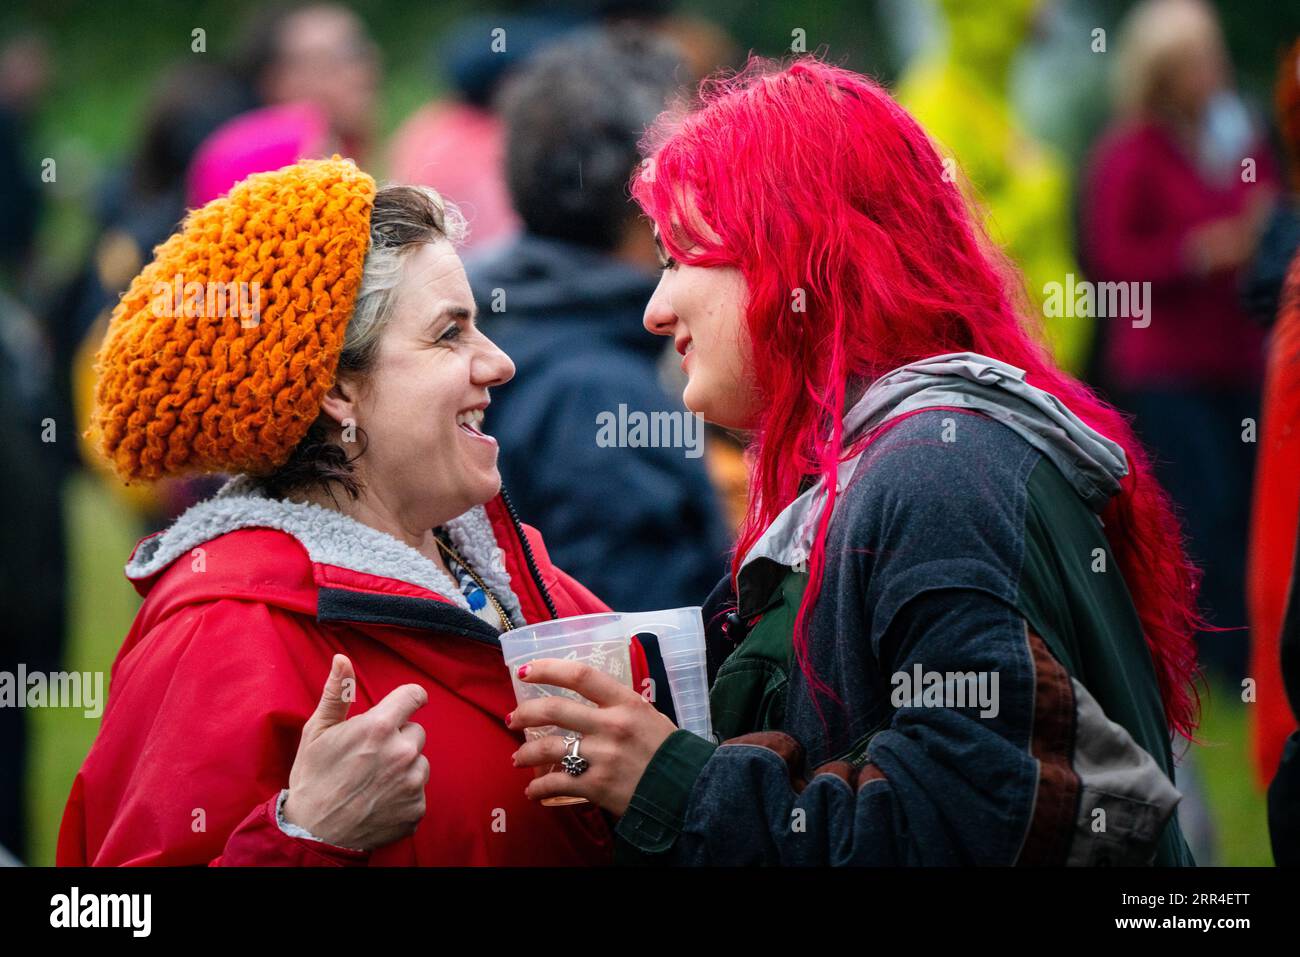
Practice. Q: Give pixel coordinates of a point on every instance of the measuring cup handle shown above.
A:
(647, 622)
(653, 623)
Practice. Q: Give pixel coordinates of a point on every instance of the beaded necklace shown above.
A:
(482, 602)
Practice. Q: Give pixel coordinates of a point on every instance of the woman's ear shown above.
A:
(340, 403)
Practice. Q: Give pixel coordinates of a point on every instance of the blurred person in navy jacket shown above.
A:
(639, 524)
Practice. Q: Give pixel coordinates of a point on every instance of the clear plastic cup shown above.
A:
(602, 641)
(599, 641)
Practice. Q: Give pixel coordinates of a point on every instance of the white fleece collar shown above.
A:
(332, 538)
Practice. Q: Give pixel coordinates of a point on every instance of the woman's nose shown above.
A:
(659, 317)
(492, 367)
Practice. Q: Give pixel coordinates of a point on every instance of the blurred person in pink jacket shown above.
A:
(1175, 195)
(457, 144)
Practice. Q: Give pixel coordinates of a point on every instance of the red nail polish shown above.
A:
(523, 670)
(508, 717)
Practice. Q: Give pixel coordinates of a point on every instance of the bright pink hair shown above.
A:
(814, 179)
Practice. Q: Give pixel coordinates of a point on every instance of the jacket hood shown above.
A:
(1090, 462)
(329, 538)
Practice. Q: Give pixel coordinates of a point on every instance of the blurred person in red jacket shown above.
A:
(1276, 507)
(1175, 196)
(315, 675)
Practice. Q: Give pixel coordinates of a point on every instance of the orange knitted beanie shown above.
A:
(218, 355)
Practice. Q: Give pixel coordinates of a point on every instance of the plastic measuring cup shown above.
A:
(681, 645)
(602, 641)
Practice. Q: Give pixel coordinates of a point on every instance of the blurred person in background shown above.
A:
(31, 526)
(455, 144)
(703, 45)
(961, 95)
(1280, 240)
(254, 142)
(143, 199)
(1176, 193)
(140, 204)
(319, 53)
(24, 78)
(638, 525)
(33, 572)
(1284, 789)
(1276, 505)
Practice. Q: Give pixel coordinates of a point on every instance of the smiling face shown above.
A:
(420, 406)
(703, 310)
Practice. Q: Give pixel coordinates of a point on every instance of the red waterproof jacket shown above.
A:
(1275, 516)
(246, 601)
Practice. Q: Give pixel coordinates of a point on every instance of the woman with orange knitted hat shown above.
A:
(315, 337)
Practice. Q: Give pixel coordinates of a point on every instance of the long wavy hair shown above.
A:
(860, 254)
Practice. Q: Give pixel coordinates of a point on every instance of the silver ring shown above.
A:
(573, 762)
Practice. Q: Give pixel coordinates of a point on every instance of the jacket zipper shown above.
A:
(528, 554)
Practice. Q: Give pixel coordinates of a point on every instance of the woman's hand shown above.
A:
(359, 782)
(619, 736)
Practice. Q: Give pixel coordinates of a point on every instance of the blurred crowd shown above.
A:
(1191, 188)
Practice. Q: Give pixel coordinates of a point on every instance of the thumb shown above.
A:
(402, 702)
(336, 699)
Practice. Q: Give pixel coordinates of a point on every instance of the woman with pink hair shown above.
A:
(957, 628)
